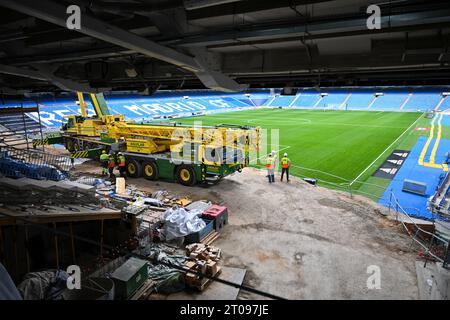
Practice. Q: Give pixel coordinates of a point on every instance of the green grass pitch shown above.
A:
(340, 143)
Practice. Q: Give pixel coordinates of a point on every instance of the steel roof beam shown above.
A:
(45, 74)
(56, 13)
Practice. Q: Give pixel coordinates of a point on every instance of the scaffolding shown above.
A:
(34, 164)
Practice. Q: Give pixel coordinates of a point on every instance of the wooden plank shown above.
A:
(144, 290)
(18, 110)
(16, 252)
(210, 238)
(214, 238)
(56, 247)
(72, 242)
(101, 237)
(2, 246)
(26, 248)
(13, 217)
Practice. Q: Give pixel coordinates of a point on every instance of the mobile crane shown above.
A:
(188, 154)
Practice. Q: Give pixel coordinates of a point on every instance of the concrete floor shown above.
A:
(303, 242)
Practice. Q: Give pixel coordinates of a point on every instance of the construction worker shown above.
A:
(111, 166)
(121, 164)
(122, 144)
(270, 166)
(104, 158)
(285, 164)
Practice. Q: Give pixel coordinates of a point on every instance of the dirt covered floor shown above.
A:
(298, 241)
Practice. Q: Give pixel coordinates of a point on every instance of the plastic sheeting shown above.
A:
(199, 206)
(44, 285)
(169, 279)
(179, 223)
(8, 290)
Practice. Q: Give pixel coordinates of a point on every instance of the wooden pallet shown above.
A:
(203, 283)
(209, 239)
(143, 291)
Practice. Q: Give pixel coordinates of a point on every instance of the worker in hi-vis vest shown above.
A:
(270, 166)
(121, 164)
(285, 164)
(104, 158)
(111, 166)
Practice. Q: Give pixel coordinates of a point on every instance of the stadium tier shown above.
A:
(307, 100)
(360, 100)
(422, 101)
(390, 101)
(334, 100)
(173, 104)
(281, 101)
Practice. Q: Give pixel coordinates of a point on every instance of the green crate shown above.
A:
(129, 277)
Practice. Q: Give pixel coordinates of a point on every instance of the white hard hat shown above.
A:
(285, 154)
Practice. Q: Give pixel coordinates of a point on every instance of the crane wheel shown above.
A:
(150, 170)
(134, 169)
(76, 146)
(186, 175)
(69, 145)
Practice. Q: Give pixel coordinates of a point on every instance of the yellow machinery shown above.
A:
(185, 153)
(91, 126)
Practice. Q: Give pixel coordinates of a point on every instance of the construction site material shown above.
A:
(217, 213)
(179, 223)
(44, 285)
(433, 281)
(310, 181)
(210, 238)
(8, 290)
(204, 259)
(10, 215)
(166, 278)
(201, 234)
(120, 186)
(129, 277)
(216, 290)
(200, 206)
(92, 289)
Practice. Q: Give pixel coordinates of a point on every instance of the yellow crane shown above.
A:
(188, 154)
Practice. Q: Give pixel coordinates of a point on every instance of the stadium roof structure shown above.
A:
(146, 45)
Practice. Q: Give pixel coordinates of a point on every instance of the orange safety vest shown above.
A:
(111, 163)
(121, 161)
(269, 163)
(285, 162)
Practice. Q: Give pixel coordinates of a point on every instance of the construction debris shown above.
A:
(179, 223)
(203, 259)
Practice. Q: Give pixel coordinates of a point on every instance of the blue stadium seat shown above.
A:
(307, 100)
(359, 100)
(334, 100)
(281, 101)
(445, 104)
(390, 101)
(423, 101)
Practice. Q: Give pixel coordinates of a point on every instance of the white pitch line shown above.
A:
(370, 165)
